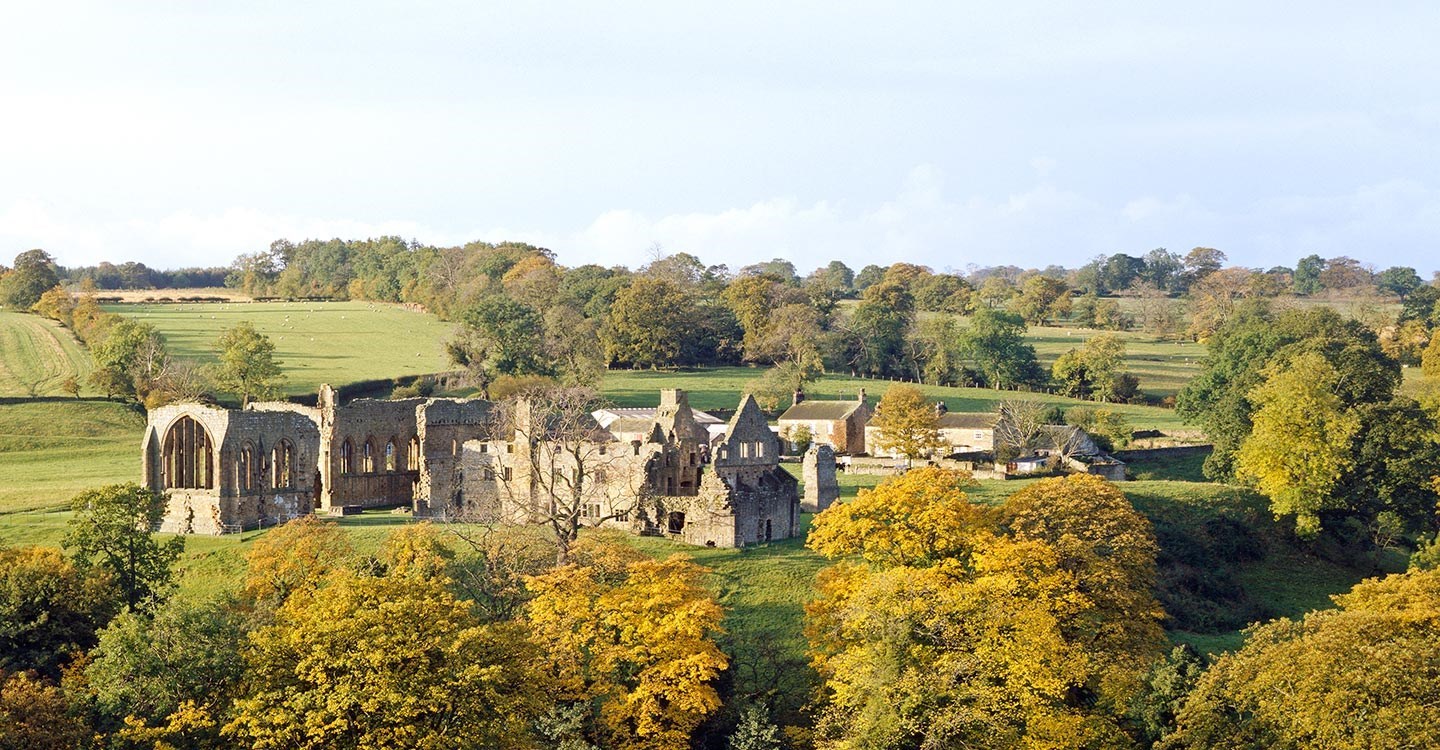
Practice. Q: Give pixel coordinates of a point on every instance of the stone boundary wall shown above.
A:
(1141, 454)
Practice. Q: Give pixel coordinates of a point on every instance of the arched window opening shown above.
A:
(188, 455)
(347, 457)
(367, 458)
(412, 462)
(391, 455)
(245, 468)
(282, 466)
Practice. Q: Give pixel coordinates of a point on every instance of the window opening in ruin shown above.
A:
(759, 450)
(676, 522)
(347, 457)
(282, 465)
(390, 455)
(245, 468)
(767, 529)
(187, 456)
(367, 457)
(412, 462)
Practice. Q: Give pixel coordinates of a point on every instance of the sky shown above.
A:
(947, 134)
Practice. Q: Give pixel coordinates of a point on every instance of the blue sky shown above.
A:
(945, 133)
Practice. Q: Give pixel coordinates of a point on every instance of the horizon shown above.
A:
(930, 134)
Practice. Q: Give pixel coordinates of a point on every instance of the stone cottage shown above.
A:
(838, 424)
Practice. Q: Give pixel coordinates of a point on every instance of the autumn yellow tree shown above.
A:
(907, 423)
(1363, 675)
(1109, 549)
(393, 661)
(917, 518)
(630, 641)
(296, 556)
(1299, 446)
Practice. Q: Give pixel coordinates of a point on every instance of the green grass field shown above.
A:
(37, 355)
(1164, 367)
(316, 342)
(52, 449)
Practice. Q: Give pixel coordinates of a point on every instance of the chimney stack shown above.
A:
(797, 397)
(861, 396)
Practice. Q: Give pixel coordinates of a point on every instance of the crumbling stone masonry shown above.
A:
(224, 470)
(818, 472)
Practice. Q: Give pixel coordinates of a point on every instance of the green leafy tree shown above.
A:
(49, 610)
(247, 363)
(755, 731)
(1400, 281)
(183, 658)
(499, 336)
(995, 347)
(32, 275)
(1041, 298)
(1299, 447)
(110, 531)
(645, 322)
(1307, 274)
(36, 714)
(877, 328)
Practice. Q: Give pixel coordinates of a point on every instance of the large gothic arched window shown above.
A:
(391, 455)
(367, 457)
(188, 454)
(347, 457)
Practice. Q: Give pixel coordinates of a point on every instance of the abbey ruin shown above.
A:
(225, 470)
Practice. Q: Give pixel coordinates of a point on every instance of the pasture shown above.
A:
(37, 355)
(316, 342)
(52, 448)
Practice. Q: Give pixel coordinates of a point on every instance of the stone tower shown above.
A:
(818, 474)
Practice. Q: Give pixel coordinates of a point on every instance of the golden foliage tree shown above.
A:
(35, 715)
(908, 423)
(947, 625)
(296, 556)
(917, 518)
(1365, 675)
(384, 662)
(633, 638)
(1110, 550)
(1299, 447)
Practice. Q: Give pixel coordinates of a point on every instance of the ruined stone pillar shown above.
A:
(818, 474)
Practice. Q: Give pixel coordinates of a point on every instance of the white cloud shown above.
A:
(1384, 223)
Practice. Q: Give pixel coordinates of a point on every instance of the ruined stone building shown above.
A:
(223, 470)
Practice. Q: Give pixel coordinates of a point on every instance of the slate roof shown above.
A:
(968, 420)
(826, 410)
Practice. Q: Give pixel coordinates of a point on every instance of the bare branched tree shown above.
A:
(567, 472)
(1020, 429)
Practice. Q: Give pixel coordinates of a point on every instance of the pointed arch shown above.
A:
(347, 457)
(282, 465)
(412, 462)
(367, 456)
(392, 455)
(245, 469)
(188, 456)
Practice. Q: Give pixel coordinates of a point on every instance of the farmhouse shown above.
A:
(961, 432)
(224, 470)
(838, 424)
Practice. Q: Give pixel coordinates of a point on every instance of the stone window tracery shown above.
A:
(188, 455)
(282, 466)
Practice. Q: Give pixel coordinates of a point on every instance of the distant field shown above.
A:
(161, 295)
(37, 355)
(317, 342)
(52, 449)
(720, 388)
(1164, 367)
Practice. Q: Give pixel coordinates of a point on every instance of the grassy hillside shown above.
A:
(1164, 367)
(37, 355)
(317, 342)
(50, 449)
(720, 388)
